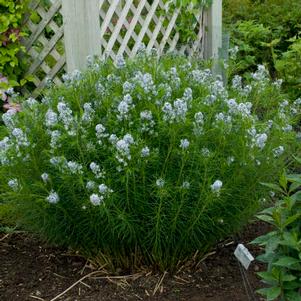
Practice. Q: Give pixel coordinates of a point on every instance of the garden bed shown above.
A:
(32, 271)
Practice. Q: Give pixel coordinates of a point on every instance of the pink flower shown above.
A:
(12, 106)
(3, 95)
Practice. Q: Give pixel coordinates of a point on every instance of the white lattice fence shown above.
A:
(44, 44)
(127, 24)
(124, 26)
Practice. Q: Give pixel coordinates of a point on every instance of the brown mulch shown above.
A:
(29, 270)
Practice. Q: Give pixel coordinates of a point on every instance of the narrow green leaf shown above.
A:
(287, 261)
(295, 178)
(262, 240)
(297, 159)
(296, 196)
(266, 218)
(268, 277)
(291, 219)
(273, 186)
(294, 186)
(283, 181)
(289, 277)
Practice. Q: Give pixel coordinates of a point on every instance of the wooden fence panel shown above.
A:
(44, 44)
(124, 25)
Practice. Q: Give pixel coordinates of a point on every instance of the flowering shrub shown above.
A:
(149, 159)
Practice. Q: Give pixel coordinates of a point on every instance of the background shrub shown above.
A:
(289, 65)
(251, 39)
(146, 161)
(276, 24)
(12, 66)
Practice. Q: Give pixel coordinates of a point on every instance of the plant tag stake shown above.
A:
(243, 256)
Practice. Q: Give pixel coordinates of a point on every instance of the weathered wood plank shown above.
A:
(213, 23)
(81, 31)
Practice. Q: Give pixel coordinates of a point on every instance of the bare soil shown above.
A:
(31, 270)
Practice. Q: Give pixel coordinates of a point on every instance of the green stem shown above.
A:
(158, 222)
(127, 189)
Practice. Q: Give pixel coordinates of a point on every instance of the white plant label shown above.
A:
(243, 256)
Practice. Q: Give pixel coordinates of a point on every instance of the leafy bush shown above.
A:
(281, 16)
(252, 40)
(276, 22)
(289, 65)
(146, 161)
(11, 66)
(283, 243)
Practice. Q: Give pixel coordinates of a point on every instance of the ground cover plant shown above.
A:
(282, 245)
(144, 161)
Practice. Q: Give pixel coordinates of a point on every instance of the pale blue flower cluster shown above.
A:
(55, 137)
(147, 122)
(72, 78)
(51, 118)
(8, 118)
(53, 197)
(20, 137)
(184, 144)
(66, 117)
(100, 133)
(278, 151)
(45, 177)
(217, 186)
(160, 183)
(124, 107)
(5, 146)
(123, 149)
(173, 77)
(98, 198)
(95, 168)
(145, 152)
(201, 76)
(13, 184)
(145, 81)
(88, 113)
